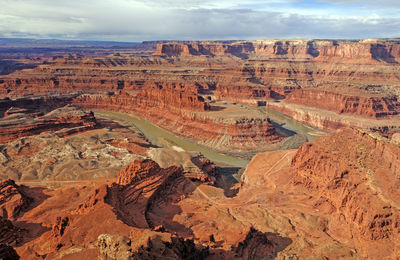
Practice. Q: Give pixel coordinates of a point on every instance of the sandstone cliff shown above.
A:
(13, 200)
(341, 103)
(241, 134)
(366, 51)
(353, 176)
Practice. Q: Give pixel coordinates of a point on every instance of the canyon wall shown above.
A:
(354, 78)
(354, 187)
(365, 50)
(345, 104)
(242, 134)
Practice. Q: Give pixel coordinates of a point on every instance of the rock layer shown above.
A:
(18, 125)
(13, 200)
(240, 134)
(354, 188)
(364, 50)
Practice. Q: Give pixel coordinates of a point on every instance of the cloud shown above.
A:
(136, 20)
(367, 3)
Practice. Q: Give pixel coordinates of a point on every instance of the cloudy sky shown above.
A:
(137, 20)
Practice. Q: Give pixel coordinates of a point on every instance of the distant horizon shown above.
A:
(189, 20)
(177, 40)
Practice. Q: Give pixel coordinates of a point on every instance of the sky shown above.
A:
(139, 20)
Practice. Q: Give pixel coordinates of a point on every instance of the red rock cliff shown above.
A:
(353, 176)
(341, 103)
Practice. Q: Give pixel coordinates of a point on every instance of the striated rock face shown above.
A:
(195, 166)
(366, 50)
(138, 170)
(34, 103)
(240, 49)
(12, 199)
(353, 176)
(140, 184)
(240, 134)
(340, 103)
(69, 118)
(241, 93)
(173, 98)
(208, 171)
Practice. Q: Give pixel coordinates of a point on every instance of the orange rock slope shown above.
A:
(353, 177)
(331, 198)
(348, 179)
(128, 211)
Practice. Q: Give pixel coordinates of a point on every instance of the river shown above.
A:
(158, 136)
(161, 137)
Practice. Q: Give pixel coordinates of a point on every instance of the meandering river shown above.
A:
(160, 137)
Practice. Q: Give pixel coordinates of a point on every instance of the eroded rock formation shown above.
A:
(355, 184)
(242, 134)
(365, 50)
(13, 200)
(145, 244)
(340, 103)
(72, 120)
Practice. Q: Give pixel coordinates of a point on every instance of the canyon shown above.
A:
(263, 149)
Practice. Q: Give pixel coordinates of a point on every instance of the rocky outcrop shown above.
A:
(341, 103)
(114, 247)
(207, 170)
(195, 166)
(138, 170)
(356, 189)
(365, 50)
(13, 199)
(241, 93)
(173, 98)
(60, 226)
(19, 125)
(256, 245)
(237, 134)
(33, 103)
(179, 49)
(12, 202)
(138, 186)
(145, 244)
(141, 183)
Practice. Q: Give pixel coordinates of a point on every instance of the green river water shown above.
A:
(159, 136)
